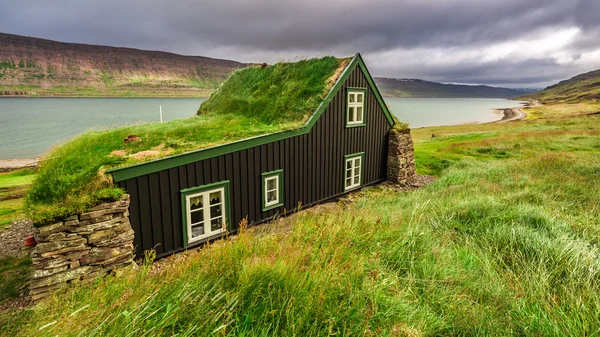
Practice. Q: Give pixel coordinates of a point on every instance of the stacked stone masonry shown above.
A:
(82, 247)
(401, 157)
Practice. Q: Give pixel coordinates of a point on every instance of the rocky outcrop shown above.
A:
(401, 156)
(82, 247)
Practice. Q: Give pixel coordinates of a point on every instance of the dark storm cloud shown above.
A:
(269, 30)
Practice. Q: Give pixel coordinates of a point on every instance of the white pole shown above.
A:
(160, 107)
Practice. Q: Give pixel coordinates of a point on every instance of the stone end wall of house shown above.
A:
(82, 247)
(401, 157)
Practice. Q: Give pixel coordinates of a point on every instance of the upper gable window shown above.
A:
(355, 102)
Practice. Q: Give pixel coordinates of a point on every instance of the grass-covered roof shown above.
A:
(256, 100)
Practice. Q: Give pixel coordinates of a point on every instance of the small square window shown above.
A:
(355, 113)
(204, 212)
(272, 190)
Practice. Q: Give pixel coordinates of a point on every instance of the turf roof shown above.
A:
(256, 100)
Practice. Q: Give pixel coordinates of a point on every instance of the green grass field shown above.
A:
(13, 187)
(505, 243)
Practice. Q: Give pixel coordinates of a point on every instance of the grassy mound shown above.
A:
(275, 93)
(253, 102)
(505, 243)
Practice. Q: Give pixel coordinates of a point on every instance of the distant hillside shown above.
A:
(399, 88)
(581, 88)
(34, 66)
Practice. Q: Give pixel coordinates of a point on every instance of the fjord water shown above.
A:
(29, 127)
(422, 112)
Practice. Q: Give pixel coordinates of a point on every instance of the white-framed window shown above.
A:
(353, 171)
(205, 211)
(272, 189)
(355, 114)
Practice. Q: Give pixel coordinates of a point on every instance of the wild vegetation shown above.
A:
(71, 178)
(504, 243)
(581, 88)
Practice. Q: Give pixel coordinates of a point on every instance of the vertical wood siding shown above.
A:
(313, 171)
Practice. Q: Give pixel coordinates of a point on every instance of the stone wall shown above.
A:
(401, 157)
(82, 247)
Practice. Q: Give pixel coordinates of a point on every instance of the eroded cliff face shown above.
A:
(43, 67)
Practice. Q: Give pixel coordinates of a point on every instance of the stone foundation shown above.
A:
(82, 247)
(401, 157)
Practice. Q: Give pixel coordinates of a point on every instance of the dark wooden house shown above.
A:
(181, 201)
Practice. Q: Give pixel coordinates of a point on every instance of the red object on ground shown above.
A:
(30, 241)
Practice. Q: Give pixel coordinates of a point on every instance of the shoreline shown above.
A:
(9, 165)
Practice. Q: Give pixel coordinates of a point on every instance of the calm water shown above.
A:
(420, 112)
(30, 126)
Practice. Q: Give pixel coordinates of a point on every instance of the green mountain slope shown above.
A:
(401, 88)
(581, 88)
(31, 66)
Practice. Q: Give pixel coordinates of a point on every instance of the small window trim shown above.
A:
(192, 191)
(268, 175)
(348, 157)
(350, 90)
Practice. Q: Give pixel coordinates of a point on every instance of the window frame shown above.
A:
(278, 174)
(363, 91)
(187, 194)
(361, 174)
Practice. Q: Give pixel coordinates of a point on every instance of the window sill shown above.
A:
(268, 208)
(355, 125)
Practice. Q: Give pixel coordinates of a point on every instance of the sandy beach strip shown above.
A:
(16, 164)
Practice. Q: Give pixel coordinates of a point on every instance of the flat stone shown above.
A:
(99, 226)
(43, 247)
(65, 250)
(51, 229)
(63, 277)
(98, 255)
(120, 239)
(40, 273)
(96, 220)
(110, 233)
(98, 214)
(112, 205)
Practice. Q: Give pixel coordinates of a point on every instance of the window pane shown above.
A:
(349, 173)
(348, 164)
(271, 196)
(351, 98)
(197, 230)
(359, 98)
(351, 114)
(356, 180)
(348, 181)
(357, 171)
(216, 224)
(197, 217)
(271, 184)
(215, 197)
(196, 202)
(357, 162)
(359, 114)
(215, 211)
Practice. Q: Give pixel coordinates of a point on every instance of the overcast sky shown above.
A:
(514, 43)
